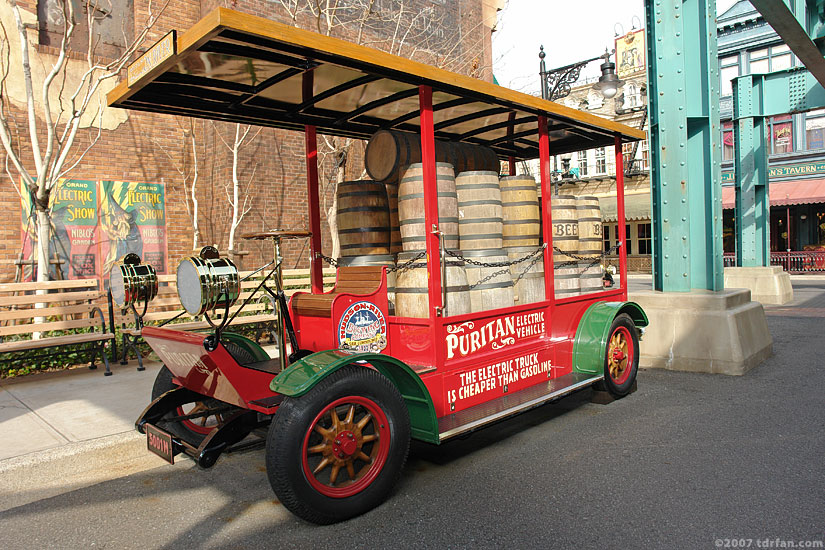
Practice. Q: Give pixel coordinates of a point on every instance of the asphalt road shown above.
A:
(687, 461)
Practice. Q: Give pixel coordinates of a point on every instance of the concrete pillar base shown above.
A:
(769, 285)
(703, 331)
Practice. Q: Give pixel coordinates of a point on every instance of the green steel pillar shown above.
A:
(685, 145)
(752, 212)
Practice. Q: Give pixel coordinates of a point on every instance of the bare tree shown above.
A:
(67, 96)
(241, 205)
(188, 170)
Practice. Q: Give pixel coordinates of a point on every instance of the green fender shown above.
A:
(302, 375)
(591, 336)
(255, 350)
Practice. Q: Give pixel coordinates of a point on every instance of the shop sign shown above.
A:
(154, 56)
(785, 171)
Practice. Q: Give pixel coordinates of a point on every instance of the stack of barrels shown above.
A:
(577, 233)
(483, 219)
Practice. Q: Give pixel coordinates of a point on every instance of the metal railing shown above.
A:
(804, 261)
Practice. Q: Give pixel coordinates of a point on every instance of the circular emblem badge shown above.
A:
(363, 328)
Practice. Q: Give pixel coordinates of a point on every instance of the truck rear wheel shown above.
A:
(193, 430)
(621, 361)
(338, 450)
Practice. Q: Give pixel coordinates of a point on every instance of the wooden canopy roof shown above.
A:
(237, 67)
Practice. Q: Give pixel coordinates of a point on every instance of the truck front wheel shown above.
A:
(338, 450)
(621, 360)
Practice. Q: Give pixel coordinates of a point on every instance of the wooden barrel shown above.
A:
(530, 285)
(411, 299)
(388, 151)
(590, 277)
(590, 226)
(565, 227)
(520, 210)
(395, 230)
(495, 292)
(479, 210)
(411, 207)
(566, 281)
(363, 218)
(466, 157)
(386, 260)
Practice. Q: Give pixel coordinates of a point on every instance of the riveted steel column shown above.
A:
(752, 212)
(685, 145)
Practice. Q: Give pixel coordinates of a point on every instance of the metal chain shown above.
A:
(331, 261)
(529, 267)
(536, 252)
(409, 263)
(595, 259)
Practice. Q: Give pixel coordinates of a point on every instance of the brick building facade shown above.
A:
(454, 34)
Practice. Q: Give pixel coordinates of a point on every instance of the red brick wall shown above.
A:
(156, 148)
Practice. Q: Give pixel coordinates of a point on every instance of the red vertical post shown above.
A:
(425, 103)
(511, 160)
(546, 207)
(316, 273)
(788, 239)
(617, 145)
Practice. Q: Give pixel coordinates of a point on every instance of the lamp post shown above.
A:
(555, 84)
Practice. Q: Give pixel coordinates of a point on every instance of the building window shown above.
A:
(644, 235)
(606, 234)
(728, 70)
(632, 96)
(780, 131)
(113, 25)
(601, 161)
(627, 154)
(582, 159)
(815, 129)
(773, 58)
(727, 141)
(628, 243)
(644, 162)
(595, 100)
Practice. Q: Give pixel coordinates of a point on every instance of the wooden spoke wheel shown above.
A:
(338, 450)
(203, 415)
(621, 361)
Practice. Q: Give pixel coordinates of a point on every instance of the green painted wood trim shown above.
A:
(302, 375)
(591, 336)
(255, 350)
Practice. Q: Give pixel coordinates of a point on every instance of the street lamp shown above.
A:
(555, 84)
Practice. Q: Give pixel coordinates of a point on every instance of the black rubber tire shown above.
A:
(622, 321)
(290, 426)
(165, 383)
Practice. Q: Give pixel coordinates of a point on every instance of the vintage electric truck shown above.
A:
(342, 405)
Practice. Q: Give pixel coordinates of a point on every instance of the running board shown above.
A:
(510, 404)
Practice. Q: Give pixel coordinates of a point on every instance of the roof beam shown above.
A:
(377, 103)
(335, 90)
(788, 27)
(441, 106)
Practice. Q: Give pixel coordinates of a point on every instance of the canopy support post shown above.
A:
(617, 146)
(431, 226)
(547, 221)
(316, 273)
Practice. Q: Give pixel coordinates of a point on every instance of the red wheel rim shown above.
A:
(346, 447)
(202, 425)
(620, 355)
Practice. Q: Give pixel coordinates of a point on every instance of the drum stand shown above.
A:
(281, 317)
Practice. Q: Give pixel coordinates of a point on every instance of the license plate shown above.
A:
(160, 443)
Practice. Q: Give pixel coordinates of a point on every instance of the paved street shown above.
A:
(684, 461)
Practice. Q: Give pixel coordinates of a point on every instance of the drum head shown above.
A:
(189, 288)
(117, 284)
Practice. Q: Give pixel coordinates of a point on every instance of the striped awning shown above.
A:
(784, 193)
(636, 207)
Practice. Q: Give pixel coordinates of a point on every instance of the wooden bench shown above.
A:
(166, 308)
(355, 280)
(65, 305)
